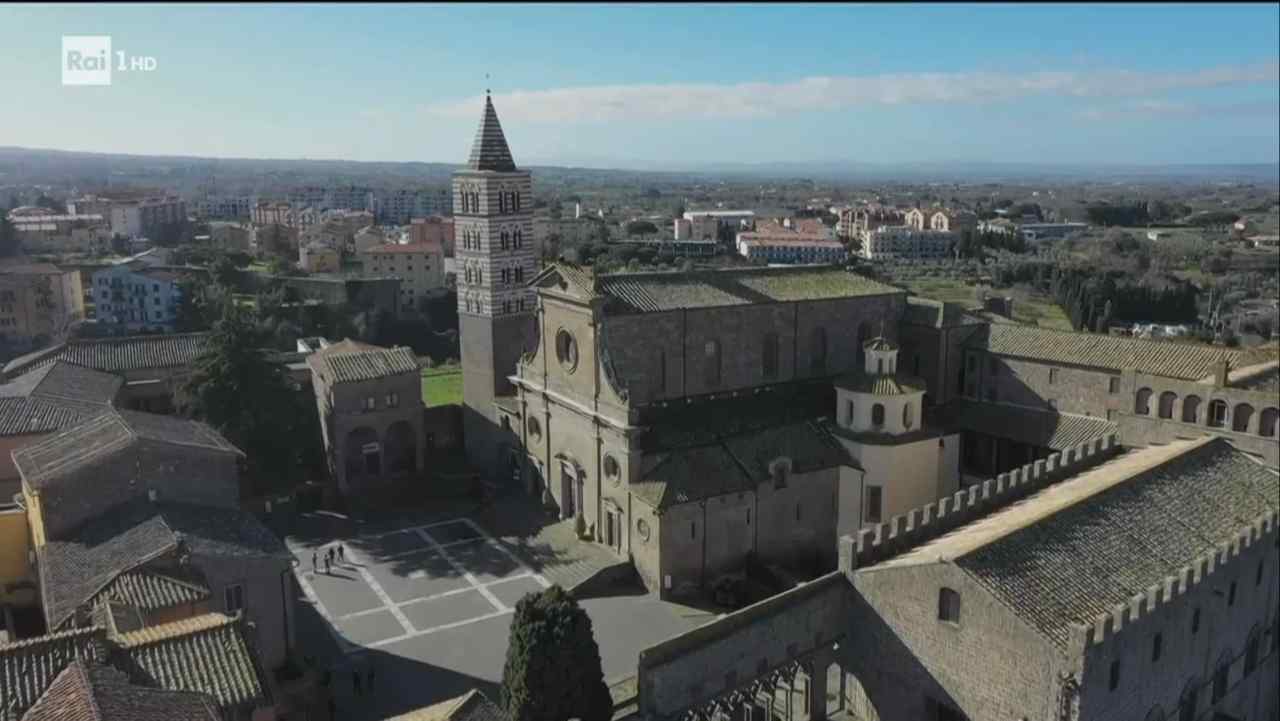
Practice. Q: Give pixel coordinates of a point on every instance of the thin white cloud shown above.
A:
(761, 99)
(1155, 108)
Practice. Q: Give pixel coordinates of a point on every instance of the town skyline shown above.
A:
(1197, 86)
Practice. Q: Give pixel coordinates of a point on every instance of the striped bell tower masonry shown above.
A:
(494, 256)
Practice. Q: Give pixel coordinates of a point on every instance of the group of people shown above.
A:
(360, 683)
(332, 555)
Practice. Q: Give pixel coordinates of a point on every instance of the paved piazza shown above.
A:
(429, 607)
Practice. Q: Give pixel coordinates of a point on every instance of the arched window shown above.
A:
(1241, 417)
(1218, 413)
(769, 356)
(503, 239)
(948, 605)
(877, 414)
(1165, 408)
(818, 350)
(479, 275)
(1267, 422)
(1142, 405)
(908, 415)
(517, 238)
(1190, 409)
(711, 362)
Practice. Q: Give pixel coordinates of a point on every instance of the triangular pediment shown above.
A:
(565, 279)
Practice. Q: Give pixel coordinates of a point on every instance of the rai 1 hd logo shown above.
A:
(88, 60)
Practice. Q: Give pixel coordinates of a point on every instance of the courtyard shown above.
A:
(428, 607)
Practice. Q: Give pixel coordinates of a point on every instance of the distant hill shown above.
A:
(28, 165)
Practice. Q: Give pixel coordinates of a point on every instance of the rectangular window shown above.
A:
(234, 597)
(1113, 385)
(1195, 621)
(1157, 647)
(393, 400)
(875, 499)
(1115, 675)
(370, 403)
(693, 529)
(1231, 594)
(1053, 375)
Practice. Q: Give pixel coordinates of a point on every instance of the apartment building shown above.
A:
(41, 230)
(435, 229)
(145, 217)
(906, 241)
(398, 206)
(419, 266)
(319, 258)
(223, 207)
(790, 247)
(130, 298)
(38, 302)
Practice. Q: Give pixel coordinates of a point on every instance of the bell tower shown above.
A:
(494, 257)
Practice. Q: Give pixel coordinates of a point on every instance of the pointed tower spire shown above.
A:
(490, 151)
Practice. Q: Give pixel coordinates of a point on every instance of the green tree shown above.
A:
(553, 670)
(244, 393)
(641, 228)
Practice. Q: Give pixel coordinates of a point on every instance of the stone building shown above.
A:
(137, 516)
(685, 417)
(371, 412)
(1095, 584)
(494, 257)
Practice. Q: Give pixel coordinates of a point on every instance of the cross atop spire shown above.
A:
(490, 151)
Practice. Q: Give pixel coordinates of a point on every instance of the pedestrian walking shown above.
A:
(327, 569)
(315, 566)
(342, 553)
(329, 554)
(355, 681)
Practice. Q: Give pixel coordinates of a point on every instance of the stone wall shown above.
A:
(183, 475)
(714, 659)
(1235, 591)
(900, 533)
(1069, 389)
(902, 658)
(268, 599)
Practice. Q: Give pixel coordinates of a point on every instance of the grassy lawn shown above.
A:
(1028, 306)
(442, 385)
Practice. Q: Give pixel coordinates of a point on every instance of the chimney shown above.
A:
(1220, 371)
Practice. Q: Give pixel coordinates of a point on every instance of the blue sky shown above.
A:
(660, 85)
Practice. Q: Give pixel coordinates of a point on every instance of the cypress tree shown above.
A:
(553, 669)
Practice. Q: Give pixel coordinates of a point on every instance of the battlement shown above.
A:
(920, 525)
(1111, 624)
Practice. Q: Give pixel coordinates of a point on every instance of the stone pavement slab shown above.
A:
(369, 628)
(486, 563)
(417, 575)
(447, 610)
(343, 592)
(510, 592)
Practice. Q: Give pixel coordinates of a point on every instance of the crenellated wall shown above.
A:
(901, 533)
(1205, 616)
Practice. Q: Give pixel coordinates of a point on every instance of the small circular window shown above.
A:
(566, 350)
(642, 528)
(535, 428)
(612, 470)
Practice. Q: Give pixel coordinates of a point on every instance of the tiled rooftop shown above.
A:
(94, 692)
(91, 561)
(470, 706)
(362, 365)
(881, 385)
(118, 354)
(1084, 545)
(645, 292)
(150, 590)
(103, 435)
(65, 383)
(1040, 428)
(28, 667)
(1163, 358)
(210, 654)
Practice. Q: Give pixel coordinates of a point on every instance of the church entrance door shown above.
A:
(568, 488)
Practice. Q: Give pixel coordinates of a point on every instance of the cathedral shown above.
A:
(695, 422)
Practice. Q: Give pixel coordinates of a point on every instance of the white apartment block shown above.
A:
(143, 217)
(40, 230)
(397, 207)
(419, 266)
(223, 207)
(899, 241)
